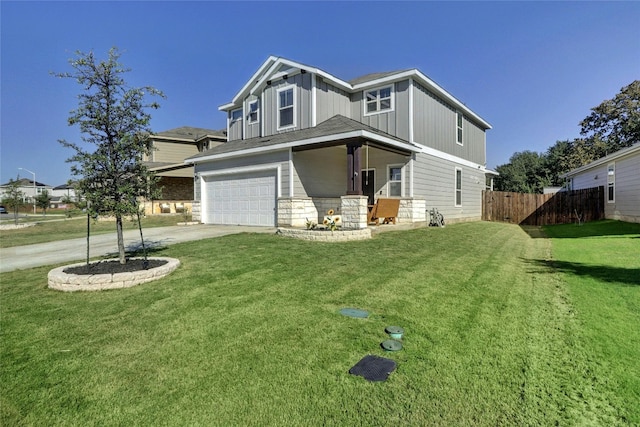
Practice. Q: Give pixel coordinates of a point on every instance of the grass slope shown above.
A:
(600, 262)
(247, 331)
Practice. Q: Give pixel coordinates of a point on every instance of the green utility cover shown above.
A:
(392, 345)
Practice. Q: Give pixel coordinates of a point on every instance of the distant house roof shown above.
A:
(25, 182)
(69, 186)
(334, 129)
(603, 160)
(192, 134)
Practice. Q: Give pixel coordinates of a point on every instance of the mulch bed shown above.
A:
(114, 266)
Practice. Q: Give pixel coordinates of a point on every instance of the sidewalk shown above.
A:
(75, 250)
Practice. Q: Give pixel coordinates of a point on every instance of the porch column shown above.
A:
(354, 179)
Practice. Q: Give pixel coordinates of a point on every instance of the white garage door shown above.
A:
(241, 199)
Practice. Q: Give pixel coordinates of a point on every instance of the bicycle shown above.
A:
(437, 220)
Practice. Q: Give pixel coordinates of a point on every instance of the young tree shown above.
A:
(112, 117)
(43, 200)
(14, 198)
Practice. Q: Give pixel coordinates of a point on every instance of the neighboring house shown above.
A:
(62, 193)
(302, 141)
(28, 189)
(619, 174)
(169, 149)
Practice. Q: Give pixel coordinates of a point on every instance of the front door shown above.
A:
(368, 185)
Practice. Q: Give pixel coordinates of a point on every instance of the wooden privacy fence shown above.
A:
(543, 209)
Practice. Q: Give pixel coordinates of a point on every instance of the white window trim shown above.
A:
(231, 119)
(257, 120)
(378, 89)
(399, 165)
(455, 187)
(282, 89)
(611, 181)
(461, 128)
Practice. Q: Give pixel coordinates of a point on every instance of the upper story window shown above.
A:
(395, 181)
(236, 115)
(459, 122)
(286, 107)
(378, 100)
(254, 111)
(611, 183)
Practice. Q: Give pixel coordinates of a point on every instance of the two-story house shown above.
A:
(302, 141)
(166, 160)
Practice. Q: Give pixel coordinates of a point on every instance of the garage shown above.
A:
(241, 199)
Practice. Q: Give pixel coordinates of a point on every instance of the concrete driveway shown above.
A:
(23, 257)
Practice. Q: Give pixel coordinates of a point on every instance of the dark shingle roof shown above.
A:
(374, 76)
(336, 125)
(188, 132)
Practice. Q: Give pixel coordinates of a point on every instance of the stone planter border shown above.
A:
(61, 281)
(325, 235)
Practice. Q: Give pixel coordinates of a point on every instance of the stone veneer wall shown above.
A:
(196, 211)
(354, 212)
(294, 211)
(412, 210)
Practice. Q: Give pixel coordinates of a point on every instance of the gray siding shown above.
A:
(235, 128)
(627, 191)
(626, 206)
(395, 122)
(280, 157)
(320, 173)
(302, 83)
(252, 130)
(434, 124)
(330, 101)
(434, 180)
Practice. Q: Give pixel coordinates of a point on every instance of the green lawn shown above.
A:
(500, 329)
(49, 229)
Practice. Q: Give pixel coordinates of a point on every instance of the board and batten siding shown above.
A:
(435, 180)
(435, 126)
(228, 165)
(330, 101)
(394, 122)
(303, 107)
(252, 130)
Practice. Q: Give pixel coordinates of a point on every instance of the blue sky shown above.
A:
(531, 69)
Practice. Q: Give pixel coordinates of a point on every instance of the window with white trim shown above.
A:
(394, 189)
(459, 123)
(254, 111)
(286, 107)
(458, 194)
(236, 115)
(611, 183)
(378, 100)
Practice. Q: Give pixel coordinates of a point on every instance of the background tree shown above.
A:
(611, 126)
(523, 174)
(615, 123)
(13, 198)
(112, 117)
(43, 200)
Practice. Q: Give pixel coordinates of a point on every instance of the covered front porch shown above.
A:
(348, 177)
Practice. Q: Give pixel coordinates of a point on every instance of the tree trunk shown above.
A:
(123, 259)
